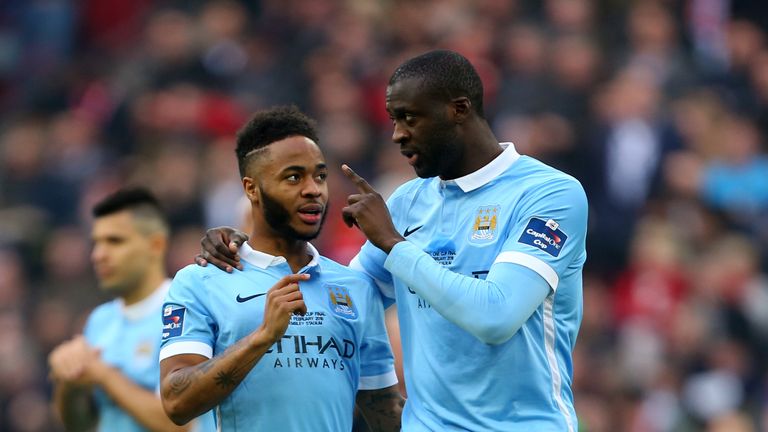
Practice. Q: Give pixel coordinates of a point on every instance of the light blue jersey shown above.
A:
(470, 363)
(129, 339)
(308, 380)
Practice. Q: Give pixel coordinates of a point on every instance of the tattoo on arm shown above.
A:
(382, 408)
(180, 381)
(225, 379)
(231, 378)
(182, 378)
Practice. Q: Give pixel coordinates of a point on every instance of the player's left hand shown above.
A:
(368, 211)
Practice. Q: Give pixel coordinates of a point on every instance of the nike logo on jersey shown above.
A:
(250, 297)
(409, 231)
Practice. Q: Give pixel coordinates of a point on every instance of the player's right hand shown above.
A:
(219, 247)
(283, 300)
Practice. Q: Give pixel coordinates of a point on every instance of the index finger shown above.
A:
(360, 182)
(292, 278)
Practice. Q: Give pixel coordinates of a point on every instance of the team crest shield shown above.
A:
(485, 223)
(340, 302)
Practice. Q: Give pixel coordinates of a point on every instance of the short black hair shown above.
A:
(140, 202)
(446, 73)
(269, 126)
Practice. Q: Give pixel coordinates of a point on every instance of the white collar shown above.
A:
(264, 260)
(150, 304)
(495, 168)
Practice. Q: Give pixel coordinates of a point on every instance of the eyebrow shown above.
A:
(302, 168)
(398, 111)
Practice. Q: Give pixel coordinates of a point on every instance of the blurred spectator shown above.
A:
(222, 187)
(26, 177)
(730, 179)
(654, 45)
(653, 285)
(626, 157)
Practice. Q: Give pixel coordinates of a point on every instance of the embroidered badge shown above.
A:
(485, 224)
(173, 320)
(143, 349)
(340, 302)
(544, 235)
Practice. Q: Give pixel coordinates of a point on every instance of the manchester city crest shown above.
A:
(485, 223)
(340, 302)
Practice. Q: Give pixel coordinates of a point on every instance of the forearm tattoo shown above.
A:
(382, 409)
(182, 379)
(225, 379)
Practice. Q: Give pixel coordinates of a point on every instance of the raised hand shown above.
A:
(283, 300)
(219, 247)
(368, 211)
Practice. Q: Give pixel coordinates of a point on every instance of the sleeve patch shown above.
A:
(173, 320)
(546, 236)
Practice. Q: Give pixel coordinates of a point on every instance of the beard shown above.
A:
(441, 153)
(279, 219)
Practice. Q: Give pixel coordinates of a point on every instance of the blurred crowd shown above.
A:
(659, 108)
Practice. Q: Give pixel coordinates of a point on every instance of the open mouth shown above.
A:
(412, 156)
(311, 213)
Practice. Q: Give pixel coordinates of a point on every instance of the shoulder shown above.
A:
(103, 310)
(100, 316)
(335, 272)
(542, 181)
(195, 282)
(535, 173)
(194, 273)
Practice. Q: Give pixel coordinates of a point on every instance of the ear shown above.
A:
(159, 243)
(461, 108)
(250, 186)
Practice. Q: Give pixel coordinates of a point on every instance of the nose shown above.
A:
(311, 188)
(97, 253)
(399, 134)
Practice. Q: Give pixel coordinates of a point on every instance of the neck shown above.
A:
(296, 252)
(148, 285)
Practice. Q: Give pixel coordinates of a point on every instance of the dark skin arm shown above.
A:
(191, 384)
(382, 408)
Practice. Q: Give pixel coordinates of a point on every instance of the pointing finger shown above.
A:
(286, 281)
(348, 217)
(360, 182)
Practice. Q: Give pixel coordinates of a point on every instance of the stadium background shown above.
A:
(660, 108)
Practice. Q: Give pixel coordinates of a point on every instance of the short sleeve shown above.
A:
(188, 326)
(377, 368)
(549, 233)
